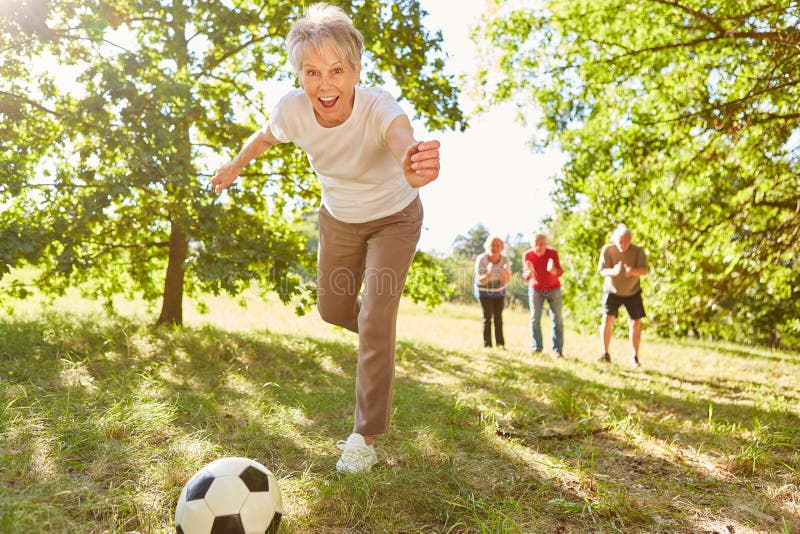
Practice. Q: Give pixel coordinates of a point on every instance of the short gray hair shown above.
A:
(620, 231)
(537, 235)
(323, 24)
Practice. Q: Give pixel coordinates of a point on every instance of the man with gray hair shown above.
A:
(542, 271)
(622, 264)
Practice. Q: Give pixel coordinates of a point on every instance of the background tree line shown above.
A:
(679, 118)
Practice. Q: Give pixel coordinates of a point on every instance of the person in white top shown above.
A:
(492, 273)
(362, 147)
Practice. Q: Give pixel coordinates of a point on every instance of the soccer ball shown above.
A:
(230, 496)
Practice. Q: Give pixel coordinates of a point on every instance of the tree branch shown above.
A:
(785, 204)
(17, 46)
(239, 90)
(214, 63)
(769, 117)
(106, 248)
(694, 13)
(32, 103)
(790, 35)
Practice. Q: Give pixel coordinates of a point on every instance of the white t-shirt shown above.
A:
(361, 180)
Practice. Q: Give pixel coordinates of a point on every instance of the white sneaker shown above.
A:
(357, 456)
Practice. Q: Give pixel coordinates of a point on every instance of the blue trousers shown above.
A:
(536, 300)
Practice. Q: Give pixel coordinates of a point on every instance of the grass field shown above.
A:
(103, 419)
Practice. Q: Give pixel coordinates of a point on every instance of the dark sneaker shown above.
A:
(605, 358)
(557, 354)
(635, 361)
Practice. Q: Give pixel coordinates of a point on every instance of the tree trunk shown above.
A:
(172, 303)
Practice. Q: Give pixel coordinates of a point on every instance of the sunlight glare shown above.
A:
(6, 6)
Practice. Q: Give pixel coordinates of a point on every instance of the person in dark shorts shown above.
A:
(622, 264)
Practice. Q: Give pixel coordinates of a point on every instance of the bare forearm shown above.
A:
(256, 144)
(418, 160)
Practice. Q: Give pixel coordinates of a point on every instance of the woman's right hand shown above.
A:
(421, 163)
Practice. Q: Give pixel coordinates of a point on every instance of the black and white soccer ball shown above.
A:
(230, 496)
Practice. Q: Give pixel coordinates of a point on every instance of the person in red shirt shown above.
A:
(542, 271)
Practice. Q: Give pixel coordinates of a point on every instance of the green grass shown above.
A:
(103, 419)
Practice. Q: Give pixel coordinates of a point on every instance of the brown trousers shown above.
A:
(376, 254)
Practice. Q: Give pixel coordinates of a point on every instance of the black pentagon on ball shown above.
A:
(198, 486)
(255, 479)
(178, 530)
(274, 524)
(227, 524)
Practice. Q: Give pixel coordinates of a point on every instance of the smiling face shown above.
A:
(539, 245)
(623, 242)
(329, 81)
(496, 247)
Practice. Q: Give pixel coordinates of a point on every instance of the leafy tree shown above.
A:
(679, 118)
(459, 271)
(427, 281)
(471, 244)
(460, 265)
(517, 290)
(104, 162)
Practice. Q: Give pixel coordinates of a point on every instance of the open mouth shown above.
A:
(328, 101)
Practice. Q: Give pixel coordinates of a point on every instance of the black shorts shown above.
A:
(633, 304)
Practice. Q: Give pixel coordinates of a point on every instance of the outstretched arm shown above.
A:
(418, 159)
(257, 144)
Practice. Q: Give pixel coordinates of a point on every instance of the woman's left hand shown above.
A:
(421, 163)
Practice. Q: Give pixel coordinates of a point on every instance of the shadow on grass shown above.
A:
(728, 388)
(719, 465)
(745, 352)
(103, 421)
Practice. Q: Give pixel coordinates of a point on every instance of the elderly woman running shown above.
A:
(362, 147)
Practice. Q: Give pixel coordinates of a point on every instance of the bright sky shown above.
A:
(488, 175)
